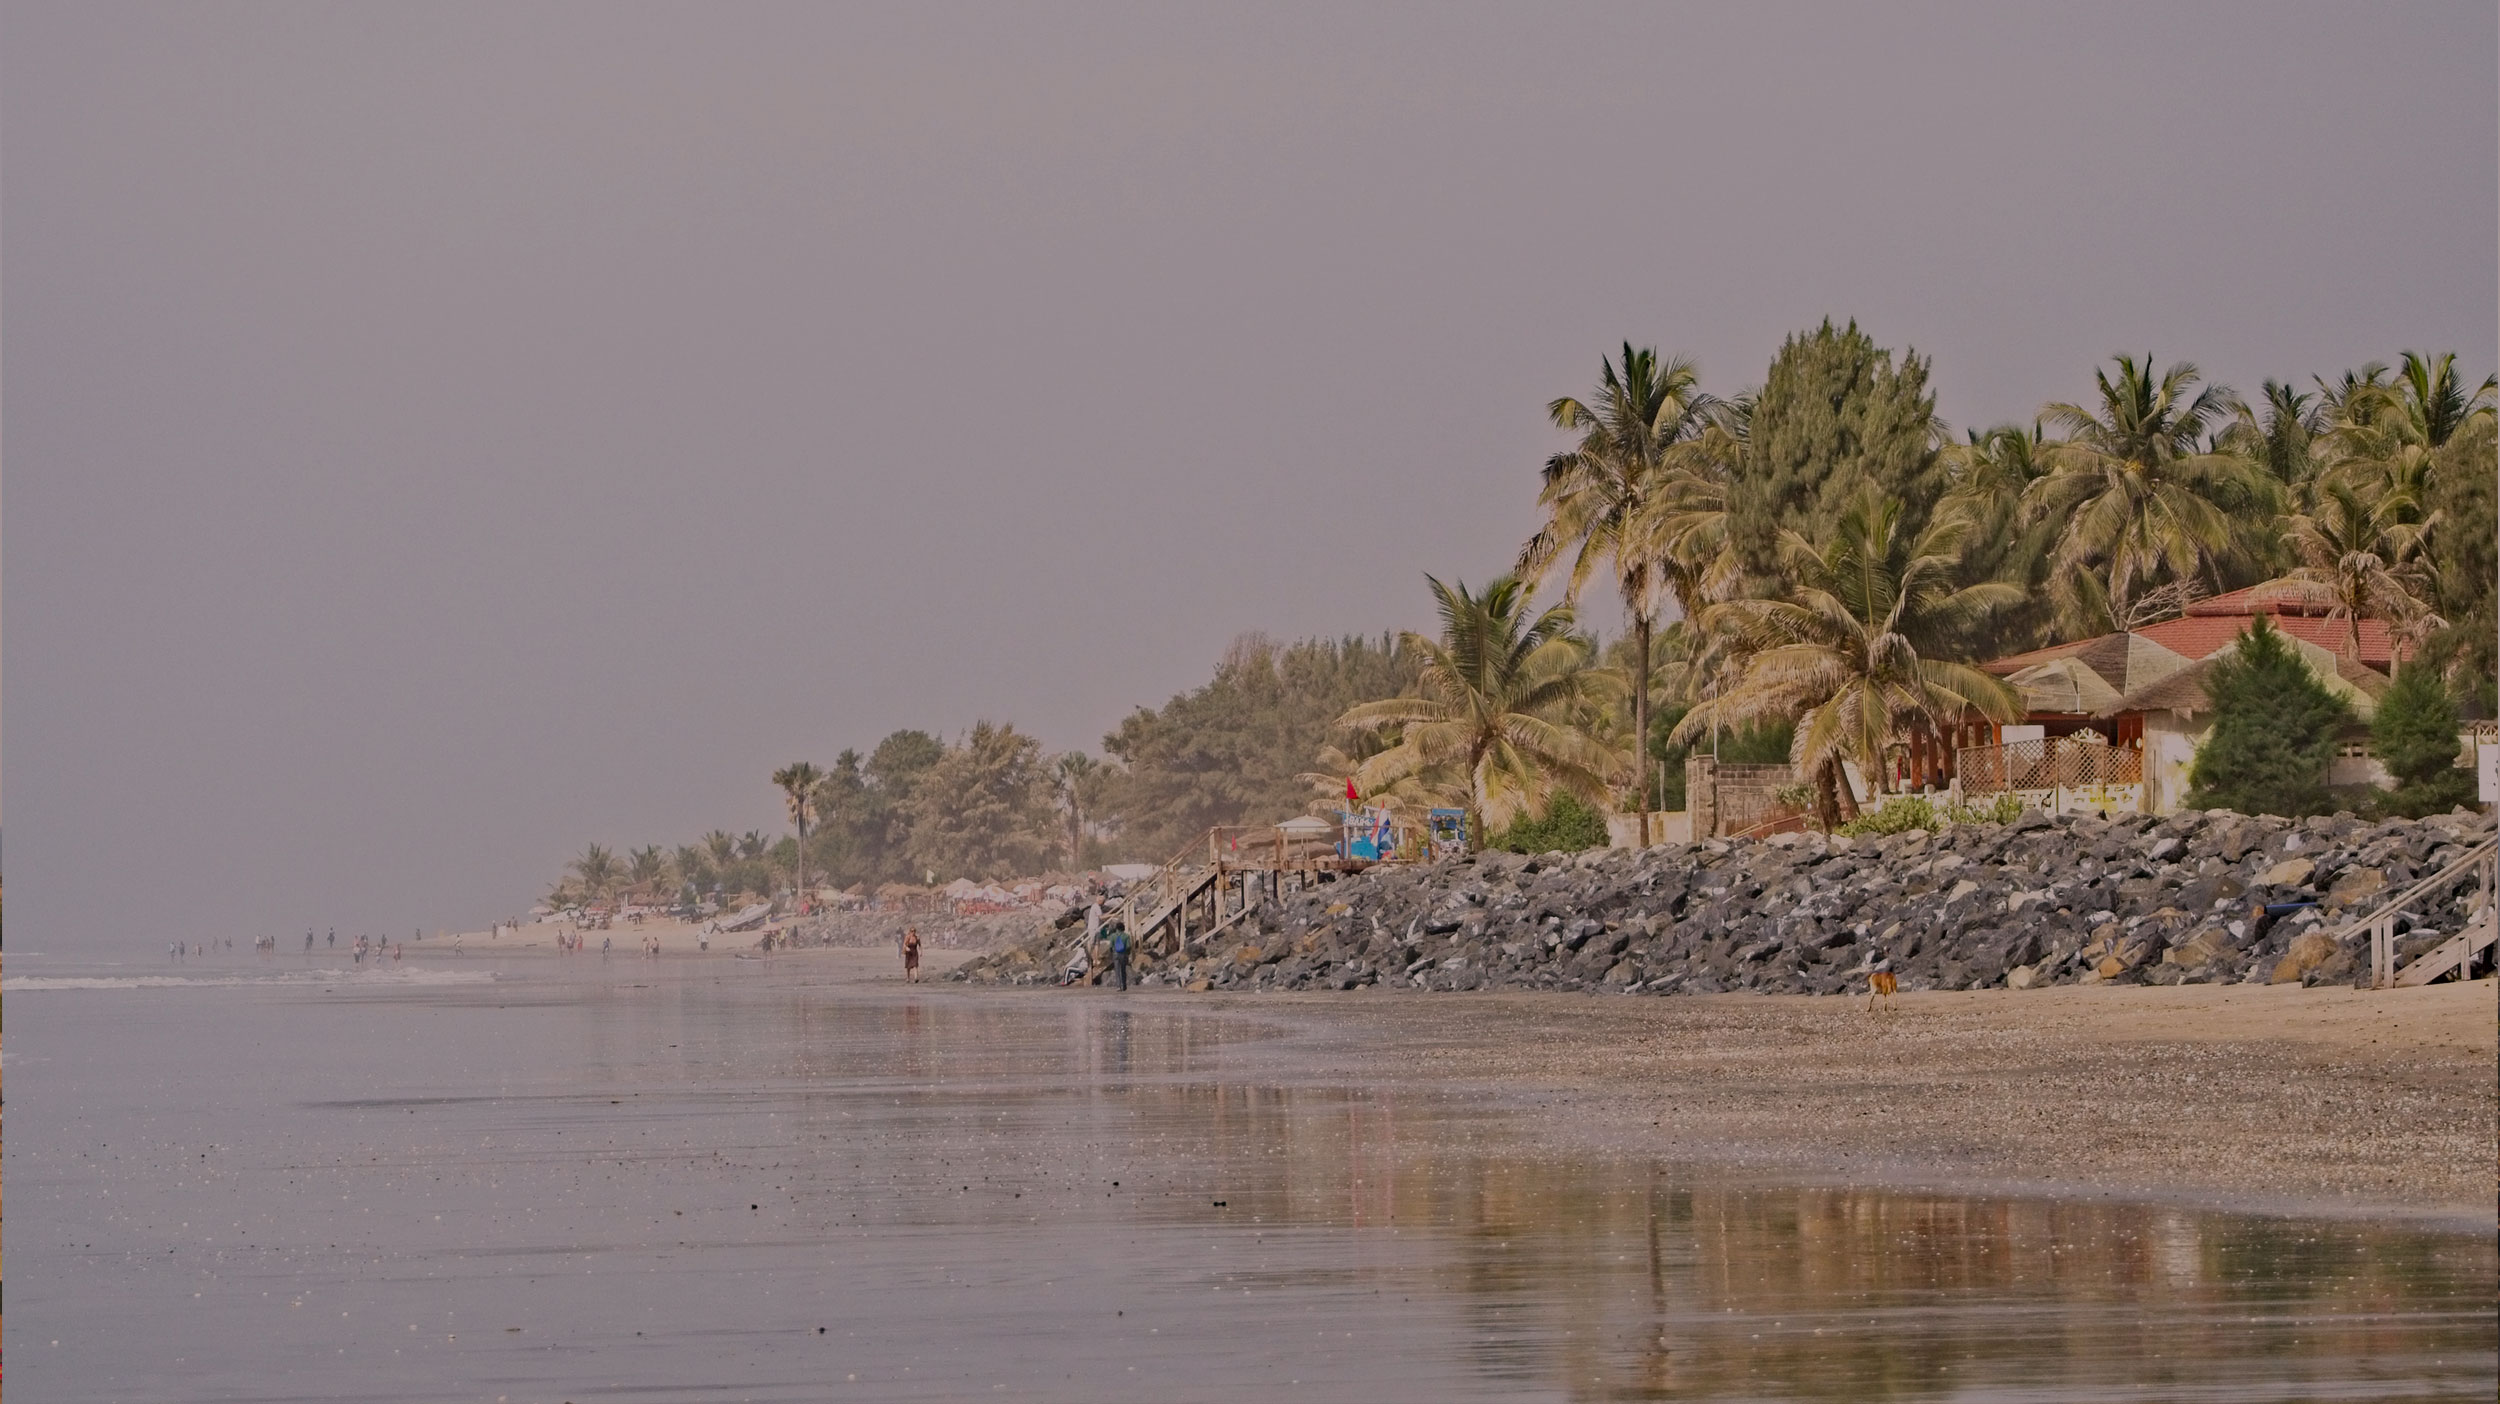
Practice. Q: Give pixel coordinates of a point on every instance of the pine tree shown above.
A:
(1835, 415)
(2414, 733)
(2275, 731)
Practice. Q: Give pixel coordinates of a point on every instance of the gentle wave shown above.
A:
(19, 984)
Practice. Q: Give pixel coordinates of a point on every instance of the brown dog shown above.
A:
(1881, 984)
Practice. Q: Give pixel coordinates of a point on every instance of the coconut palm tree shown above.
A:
(2141, 496)
(1076, 783)
(645, 867)
(2431, 403)
(2283, 438)
(800, 782)
(2364, 549)
(1843, 657)
(1600, 497)
(1496, 689)
(720, 847)
(596, 870)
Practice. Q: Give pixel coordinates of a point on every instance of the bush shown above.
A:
(1566, 824)
(2004, 809)
(2275, 731)
(2414, 734)
(1899, 815)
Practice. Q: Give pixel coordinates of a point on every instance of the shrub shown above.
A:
(1567, 823)
(2414, 734)
(2275, 730)
(1899, 815)
(2004, 809)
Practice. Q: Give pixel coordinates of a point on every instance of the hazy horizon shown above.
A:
(438, 437)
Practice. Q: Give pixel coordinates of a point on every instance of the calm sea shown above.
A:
(245, 1179)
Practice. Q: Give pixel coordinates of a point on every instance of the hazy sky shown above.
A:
(440, 435)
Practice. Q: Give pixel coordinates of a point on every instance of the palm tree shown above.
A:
(1842, 656)
(2431, 403)
(2369, 555)
(1491, 718)
(645, 867)
(2142, 498)
(597, 870)
(720, 847)
(1600, 495)
(1076, 781)
(800, 781)
(2282, 440)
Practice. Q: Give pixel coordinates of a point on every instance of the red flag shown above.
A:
(1350, 796)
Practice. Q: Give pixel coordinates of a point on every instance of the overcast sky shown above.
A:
(437, 436)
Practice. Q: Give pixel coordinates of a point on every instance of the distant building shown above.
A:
(2112, 723)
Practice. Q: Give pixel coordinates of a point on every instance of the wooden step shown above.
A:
(2454, 954)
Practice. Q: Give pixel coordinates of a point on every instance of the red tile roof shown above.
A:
(2280, 596)
(2200, 636)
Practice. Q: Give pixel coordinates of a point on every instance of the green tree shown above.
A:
(597, 871)
(1493, 712)
(646, 868)
(1566, 825)
(2142, 500)
(1602, 494)
(800, 783)
(2414, 734)
(2367, 557)
(1842, 656)
(2275, 731)
(980, 811)
(2464, 557)
(1834, 416)
(1235, 750)
(1077, 784)
(1987, 477)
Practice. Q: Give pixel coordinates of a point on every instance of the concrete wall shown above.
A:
(2170, 742)
(1665, 826)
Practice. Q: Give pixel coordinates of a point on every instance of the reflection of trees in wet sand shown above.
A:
(1622, 1280)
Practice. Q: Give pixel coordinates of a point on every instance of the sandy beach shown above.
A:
(2378, 1103)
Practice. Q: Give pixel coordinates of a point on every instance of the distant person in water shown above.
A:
(308, 941)
(334, 938)
(911, 953)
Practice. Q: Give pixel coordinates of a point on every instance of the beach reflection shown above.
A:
(665, 1181)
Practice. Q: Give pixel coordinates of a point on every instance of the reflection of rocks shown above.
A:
(2037, 902)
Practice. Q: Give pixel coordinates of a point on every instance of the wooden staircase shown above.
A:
(2455, 954)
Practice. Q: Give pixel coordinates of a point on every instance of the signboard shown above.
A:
(2487, 767)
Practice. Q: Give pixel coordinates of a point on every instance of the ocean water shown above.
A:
(241, 1179)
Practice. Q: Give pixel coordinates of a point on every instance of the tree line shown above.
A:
(1809, 568)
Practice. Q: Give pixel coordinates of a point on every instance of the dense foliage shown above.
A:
(1807, 568)
(1567, 825)
(2414, 734)
(2275, 731)
(1236, 750)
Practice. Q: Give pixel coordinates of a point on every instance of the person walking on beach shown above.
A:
(334, 938)
(604, 943)
(308, 940)
(1119, 955)
(911, 953)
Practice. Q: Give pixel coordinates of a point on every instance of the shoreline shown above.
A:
(2376, 1106)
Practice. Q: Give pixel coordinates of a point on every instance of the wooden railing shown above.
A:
(2477, 863)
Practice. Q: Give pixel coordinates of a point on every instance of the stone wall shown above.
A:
(2039, 901)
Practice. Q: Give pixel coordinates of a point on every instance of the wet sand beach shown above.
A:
(795, 1178)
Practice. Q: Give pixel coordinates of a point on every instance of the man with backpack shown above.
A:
(1119, 955)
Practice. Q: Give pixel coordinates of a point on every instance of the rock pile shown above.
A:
(2207, 896)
